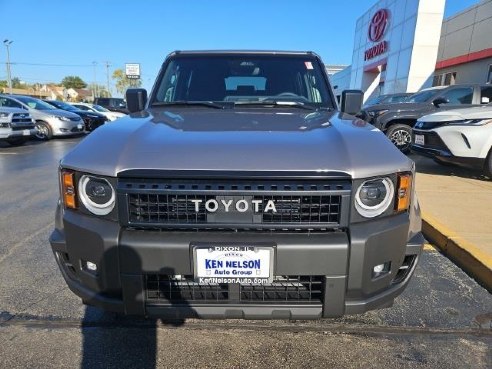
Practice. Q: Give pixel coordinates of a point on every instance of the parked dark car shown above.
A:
(112, 104)
(91, 120)
(387, 99)
(397, 120)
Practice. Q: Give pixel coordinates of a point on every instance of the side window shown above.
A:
(486, 95)
(12, 104)
(82, 107)
(489, 76)
(458, 96)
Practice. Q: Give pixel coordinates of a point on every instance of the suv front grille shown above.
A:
(173, 204)
(165, 289)
(144, 208)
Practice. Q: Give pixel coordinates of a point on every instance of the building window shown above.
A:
(437, 80)
(489, 77)
(450, 79)
(445, 79)
(486, 95)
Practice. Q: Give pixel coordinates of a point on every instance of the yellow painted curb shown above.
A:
(466, 255)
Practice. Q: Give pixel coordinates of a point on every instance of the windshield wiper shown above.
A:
(208, 104)
(276, 103)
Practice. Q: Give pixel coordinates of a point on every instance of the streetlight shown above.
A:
(9, 77)
(94, 88)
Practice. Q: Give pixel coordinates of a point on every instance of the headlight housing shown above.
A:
(374, 197)
(470, 122)
(97, 194)
(4, 115)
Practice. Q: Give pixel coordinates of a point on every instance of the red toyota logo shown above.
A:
(378, 25)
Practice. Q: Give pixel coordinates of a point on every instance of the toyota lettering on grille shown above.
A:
(241, 206)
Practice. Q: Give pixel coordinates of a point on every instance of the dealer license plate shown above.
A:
(26, 132)
(233, 264)
(419, 140)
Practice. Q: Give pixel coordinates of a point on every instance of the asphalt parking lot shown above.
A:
(442, 320)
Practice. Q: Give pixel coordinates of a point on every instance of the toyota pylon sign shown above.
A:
(132, 70)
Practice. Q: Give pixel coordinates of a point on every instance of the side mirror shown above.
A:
(351, 101)
(440, 100)
(136, 99)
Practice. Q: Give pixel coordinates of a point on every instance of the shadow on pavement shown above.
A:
(112, 340)
(428, 166)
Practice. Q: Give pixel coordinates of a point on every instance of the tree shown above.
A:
(122, 83)
(73, 82)
(100, 90)
(16, 83)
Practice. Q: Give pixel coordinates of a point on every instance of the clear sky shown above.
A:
(69, 35)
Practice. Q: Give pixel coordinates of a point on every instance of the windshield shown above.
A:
(422, 96)
(64, 106)
(243, 79)
(35, 103)
(100, 108)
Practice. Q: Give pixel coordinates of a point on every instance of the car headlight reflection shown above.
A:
(373, 197)
(97, 195)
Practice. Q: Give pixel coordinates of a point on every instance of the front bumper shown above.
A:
(6, 133)
(66, 128)
(342, 261)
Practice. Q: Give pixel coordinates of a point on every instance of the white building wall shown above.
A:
(412, 34)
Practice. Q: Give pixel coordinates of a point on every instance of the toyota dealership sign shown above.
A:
(377, 30)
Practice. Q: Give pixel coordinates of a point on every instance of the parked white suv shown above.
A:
(461, 136)
(16, 126)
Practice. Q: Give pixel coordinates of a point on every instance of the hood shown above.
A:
(58, 112)
(480, 112)
(259, 140)
(397, 107)
(13, 110)
(84, 113)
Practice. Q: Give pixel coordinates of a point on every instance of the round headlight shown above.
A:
(97, 195)
(374, 196)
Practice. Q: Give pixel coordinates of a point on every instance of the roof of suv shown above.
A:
(240, 52)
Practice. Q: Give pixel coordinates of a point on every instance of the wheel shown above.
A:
(43, 131)
(17, 141)
(487, 168)
(401, 136)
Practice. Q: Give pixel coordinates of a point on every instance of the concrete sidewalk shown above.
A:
(457, 215)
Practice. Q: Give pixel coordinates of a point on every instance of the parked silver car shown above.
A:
(49, 121)
(16, 126)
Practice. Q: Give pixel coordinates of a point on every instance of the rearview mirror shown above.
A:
(136, 99)
(351, 101)
(440, 100)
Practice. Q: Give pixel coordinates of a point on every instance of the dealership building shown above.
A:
(407, 45)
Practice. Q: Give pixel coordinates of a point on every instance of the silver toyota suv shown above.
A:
(238, 189)
(16, 126)
(49, 121)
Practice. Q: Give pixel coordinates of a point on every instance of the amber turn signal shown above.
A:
(403, 192)
(68, 190)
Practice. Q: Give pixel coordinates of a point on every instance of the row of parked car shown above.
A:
(452, 125)
(22, 117)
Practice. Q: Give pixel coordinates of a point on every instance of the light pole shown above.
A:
(94, 89)
(9, 77)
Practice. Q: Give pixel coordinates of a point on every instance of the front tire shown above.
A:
(401, 136)
(44, 131)
(487, 168)
(17, 141)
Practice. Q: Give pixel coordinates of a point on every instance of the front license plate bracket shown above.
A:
(250, 264)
